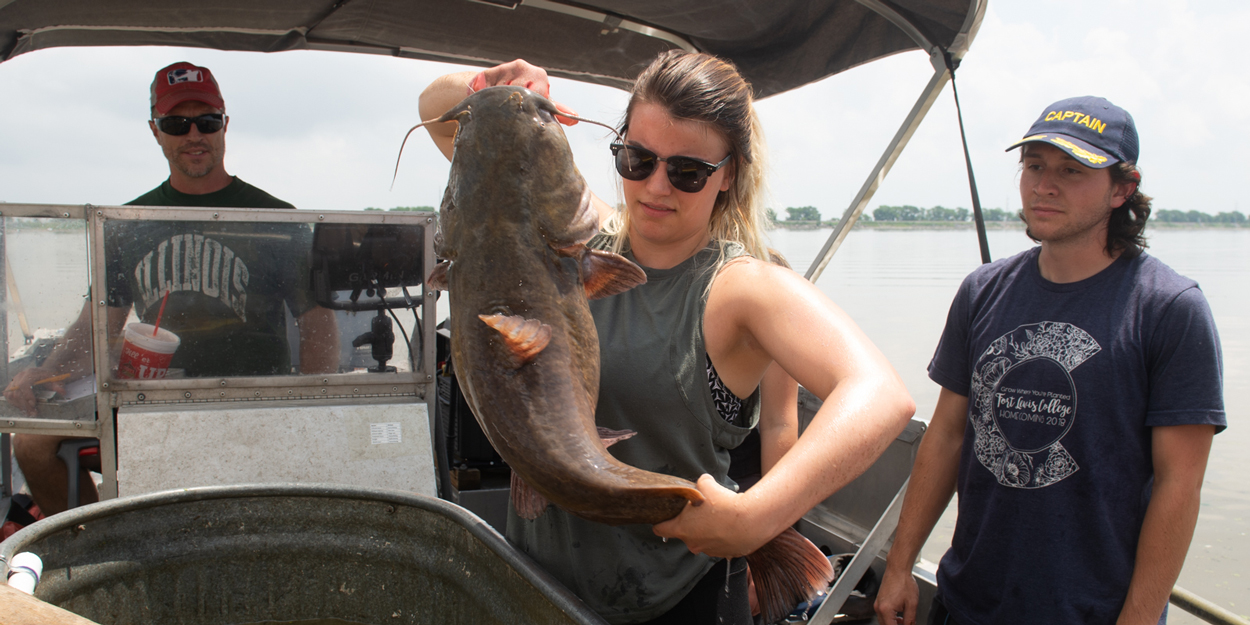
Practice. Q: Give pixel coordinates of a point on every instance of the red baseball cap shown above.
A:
(182, 82)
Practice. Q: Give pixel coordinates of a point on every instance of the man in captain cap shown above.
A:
(1081, 387)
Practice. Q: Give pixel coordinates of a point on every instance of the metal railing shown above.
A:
(1204, 609)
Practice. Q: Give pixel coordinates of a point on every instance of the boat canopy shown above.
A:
(778, 45)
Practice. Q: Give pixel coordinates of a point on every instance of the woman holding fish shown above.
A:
(683, 356)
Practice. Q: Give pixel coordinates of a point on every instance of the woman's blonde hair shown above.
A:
(705, 89)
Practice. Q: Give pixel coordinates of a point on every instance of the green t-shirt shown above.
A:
(237, 194)
(229, 283)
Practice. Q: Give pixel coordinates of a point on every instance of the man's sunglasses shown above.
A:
(178, 126)
(684, 173)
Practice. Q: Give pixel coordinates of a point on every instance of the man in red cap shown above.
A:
(227, 295)
(189, 122)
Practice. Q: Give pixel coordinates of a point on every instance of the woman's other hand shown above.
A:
(520, 73)
(720, 527)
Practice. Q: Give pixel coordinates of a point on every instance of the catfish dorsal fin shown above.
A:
(605, 273)
(787, 571)
(525, 338)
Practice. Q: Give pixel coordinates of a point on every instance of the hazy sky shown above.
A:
(321, 130)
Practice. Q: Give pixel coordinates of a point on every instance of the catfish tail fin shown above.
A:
(787, 571)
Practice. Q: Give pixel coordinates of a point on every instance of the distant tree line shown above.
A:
(937, 213)
(810, 215)
(1198, 217)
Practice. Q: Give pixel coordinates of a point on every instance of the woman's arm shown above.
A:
(438, 98)
(779, 416)
(758, 313)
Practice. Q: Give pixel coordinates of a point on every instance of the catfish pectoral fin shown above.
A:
(605, 273)
(438, 276)
(787, 571)
(525, 338)
(528, 503)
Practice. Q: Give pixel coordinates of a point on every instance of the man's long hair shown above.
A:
(1126, 227)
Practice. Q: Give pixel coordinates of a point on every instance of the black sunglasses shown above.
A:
(178, 126)
(684, 173)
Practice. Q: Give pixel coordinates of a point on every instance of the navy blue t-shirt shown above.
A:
(1065, 382)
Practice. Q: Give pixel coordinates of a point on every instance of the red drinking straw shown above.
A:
(157, 327)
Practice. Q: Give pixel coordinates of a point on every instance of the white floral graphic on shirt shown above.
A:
(1024, 402)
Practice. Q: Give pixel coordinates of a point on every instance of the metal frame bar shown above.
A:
(918, 111)
(884, 10)
(892, 151)
(4, 297)
(614, 22)
(864, 557)
(1203, 609)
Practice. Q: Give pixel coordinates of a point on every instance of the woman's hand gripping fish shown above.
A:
(512, 232)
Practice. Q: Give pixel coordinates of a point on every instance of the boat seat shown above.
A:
(78, 454)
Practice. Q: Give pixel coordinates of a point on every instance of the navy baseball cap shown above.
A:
(1093, 131)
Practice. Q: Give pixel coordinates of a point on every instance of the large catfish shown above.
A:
(512, 232)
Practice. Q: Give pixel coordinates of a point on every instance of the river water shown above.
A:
(898, 285)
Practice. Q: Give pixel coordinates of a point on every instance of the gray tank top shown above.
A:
(653, 380)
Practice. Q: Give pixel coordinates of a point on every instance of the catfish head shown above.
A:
(512, 164)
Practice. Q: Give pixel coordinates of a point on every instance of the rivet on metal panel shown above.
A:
(323, 391)
(223, 382)
(142, 397)
(101, 302)
(321, 216)
(390, 509)
(12, 423)
(78, 425)
(394, 388)
(105, 385)
(65, 215)
(290, 392)
(99, 213)
(258, 393)
(223, 393)
(214, 215)
(355, 390)
(429, 220)
(187, 394)
(429, 377)
(325, 380)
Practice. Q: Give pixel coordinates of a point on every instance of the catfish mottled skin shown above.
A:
(513, 226)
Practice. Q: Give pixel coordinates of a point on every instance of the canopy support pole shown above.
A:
(918, 111)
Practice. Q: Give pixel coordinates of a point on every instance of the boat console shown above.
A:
(294, 374)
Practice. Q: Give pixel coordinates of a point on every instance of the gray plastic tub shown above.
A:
(288, 552)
